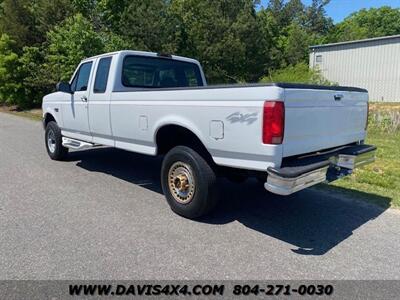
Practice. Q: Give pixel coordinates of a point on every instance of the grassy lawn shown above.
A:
(379, 182)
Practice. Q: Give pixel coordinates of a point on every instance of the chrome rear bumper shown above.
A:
(305, 172)
(355, 161)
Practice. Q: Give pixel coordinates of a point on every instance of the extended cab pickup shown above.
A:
(289, 136)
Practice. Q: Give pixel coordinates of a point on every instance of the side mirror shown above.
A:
(64, 87)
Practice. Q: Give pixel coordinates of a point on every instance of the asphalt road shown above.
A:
(101, 215)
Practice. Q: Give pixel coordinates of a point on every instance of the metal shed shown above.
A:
(373, 64)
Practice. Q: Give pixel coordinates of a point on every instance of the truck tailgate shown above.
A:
(317, 119)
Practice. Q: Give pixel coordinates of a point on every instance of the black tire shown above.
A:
(200, 177)
(56, 150)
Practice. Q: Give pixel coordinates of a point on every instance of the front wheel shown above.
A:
(188, 182)
(53, 142)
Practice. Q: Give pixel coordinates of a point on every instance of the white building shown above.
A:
(373, 64)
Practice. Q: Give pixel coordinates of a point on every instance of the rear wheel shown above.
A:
(53, 142)
(188, 182)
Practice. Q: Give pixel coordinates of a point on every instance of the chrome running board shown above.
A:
(75, 144)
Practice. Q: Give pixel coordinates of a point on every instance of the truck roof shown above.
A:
(143, 53)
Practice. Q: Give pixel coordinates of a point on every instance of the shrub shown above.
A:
(35, 81)
(11, 89)
(68, 44)
(299, 73)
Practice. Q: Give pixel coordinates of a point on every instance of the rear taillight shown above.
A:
(366, 121)
(273, 122)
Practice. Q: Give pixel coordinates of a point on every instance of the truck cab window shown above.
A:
(103, 69)
(154, 72)
(191, 77)
(81, 79)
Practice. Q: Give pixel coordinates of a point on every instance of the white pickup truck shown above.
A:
(289, 136)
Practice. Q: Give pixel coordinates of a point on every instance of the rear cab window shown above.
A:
(155, 72)
(103, 70)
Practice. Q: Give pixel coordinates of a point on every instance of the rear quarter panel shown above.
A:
(237, 110)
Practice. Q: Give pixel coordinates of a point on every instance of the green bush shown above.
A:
(299, 73)
(11, 89)
(36, 83)
(68, 44)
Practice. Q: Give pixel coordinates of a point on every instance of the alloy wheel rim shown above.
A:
(181, 182)
(51, 141)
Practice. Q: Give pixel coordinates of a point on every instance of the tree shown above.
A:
(273, 40)
(374, 22)
(316, 21)
(17, 21)
(48, 14)
(36, 81)
(85, 7)
(11, 90)
(111, 13)
(297, 43)
(27, 21)
(144, 23)
(234, 42)
(276, 7)
(223, 35)
(293, 12)
(289, 27)
(114, 42)
(68, 44)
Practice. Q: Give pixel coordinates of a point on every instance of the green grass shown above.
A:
(377, 183)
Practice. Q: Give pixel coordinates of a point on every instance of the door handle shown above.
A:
(84, 99)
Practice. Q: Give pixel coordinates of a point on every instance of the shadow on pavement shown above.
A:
(312, 221)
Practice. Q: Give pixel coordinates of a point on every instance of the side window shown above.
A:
(73, 83)
(81, 80)
(103, 69)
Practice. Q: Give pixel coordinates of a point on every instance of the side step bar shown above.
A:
(75, 144)
(300, 173)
